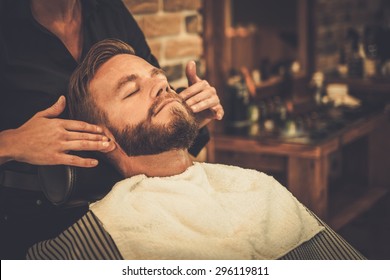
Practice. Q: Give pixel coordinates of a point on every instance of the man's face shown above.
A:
(144, 114)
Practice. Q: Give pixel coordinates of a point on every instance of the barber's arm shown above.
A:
(46, 140)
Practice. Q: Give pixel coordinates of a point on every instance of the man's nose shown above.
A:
(161, 89)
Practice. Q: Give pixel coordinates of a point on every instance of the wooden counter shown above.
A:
(306, 167)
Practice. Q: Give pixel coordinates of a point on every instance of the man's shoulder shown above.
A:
(233, 170)
(237, 178)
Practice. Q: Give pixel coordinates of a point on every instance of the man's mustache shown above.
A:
(159, 100)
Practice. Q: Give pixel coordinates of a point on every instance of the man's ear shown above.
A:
(113, 144)
(117, 156)
(114, 151)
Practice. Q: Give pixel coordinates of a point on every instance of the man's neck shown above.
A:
(161, 165)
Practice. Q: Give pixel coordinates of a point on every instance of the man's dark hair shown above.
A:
(81, 103)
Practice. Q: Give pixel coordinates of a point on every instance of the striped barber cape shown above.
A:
(88, 240)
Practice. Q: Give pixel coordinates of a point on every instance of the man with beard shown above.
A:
(170, 207)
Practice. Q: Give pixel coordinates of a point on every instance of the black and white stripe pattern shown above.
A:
(87, 240)
(326, 245)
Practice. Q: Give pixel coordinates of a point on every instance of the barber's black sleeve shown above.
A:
(200, 141)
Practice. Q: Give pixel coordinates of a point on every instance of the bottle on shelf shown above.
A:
(263, 114)
(342, 67)
(253, 112)
(253, 116)
(372, 35)
(237, 117)
(289, 128)
(269, 119)
(317, 84)
(354, 58)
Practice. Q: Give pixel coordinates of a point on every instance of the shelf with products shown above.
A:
(307, 168)
(297, 110)
(296, 138)
(267, 105)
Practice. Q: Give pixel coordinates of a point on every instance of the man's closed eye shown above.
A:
(131, 93)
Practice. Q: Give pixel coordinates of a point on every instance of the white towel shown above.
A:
(210, 211)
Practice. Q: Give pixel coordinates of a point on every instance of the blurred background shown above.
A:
(306, 90)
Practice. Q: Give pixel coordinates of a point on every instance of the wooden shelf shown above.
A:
(314, 150)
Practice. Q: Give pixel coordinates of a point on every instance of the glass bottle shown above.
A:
(238, 103)
(354, 59)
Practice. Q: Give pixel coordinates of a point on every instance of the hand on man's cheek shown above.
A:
(201, 97)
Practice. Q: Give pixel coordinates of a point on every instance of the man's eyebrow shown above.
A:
(157, 71)
(124, 80)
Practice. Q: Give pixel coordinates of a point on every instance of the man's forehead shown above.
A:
(124, 65)
(124, 62)
(115, 68)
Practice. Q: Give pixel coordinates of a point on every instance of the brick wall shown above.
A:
(173, 30)
(333, 18)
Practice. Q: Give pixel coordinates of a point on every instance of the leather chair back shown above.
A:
(69, 185)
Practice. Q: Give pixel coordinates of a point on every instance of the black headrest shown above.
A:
(69, 185)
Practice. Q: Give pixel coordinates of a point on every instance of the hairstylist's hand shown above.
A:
(201, 97)
(46, 139)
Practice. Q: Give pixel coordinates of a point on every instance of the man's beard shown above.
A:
(147, 138)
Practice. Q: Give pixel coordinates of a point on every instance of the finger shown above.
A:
(80, 126)
(55, 110)
(213, 113)
(191, 73)
(205, 117)
(110, 148)
(218, 112)
(195, 89)
(73, 160)
(84, 145)
(203, 95)
(85, 136)
(205, 104)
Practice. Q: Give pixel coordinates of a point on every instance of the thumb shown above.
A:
(55, 110)
(191, 73)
